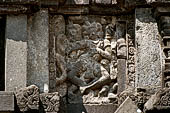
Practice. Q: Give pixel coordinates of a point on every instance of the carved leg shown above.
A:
(99, 83)
(61, 65)
(104, 91)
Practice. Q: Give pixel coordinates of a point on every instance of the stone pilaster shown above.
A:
(38, 64)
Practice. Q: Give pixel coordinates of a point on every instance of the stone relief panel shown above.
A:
(85, 52)
(92, 59)
(57, 45)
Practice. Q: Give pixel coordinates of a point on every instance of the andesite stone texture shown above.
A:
(50, 102)
(121, 75)
(148, 56)
(86, 56)
(38, 60)
(16, 52)
(28, 98)
(6, 101)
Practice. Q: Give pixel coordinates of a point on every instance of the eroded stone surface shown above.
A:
(50, 102)
(28, 98)
(148, 62)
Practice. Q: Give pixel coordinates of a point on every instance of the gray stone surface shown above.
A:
(127, 107)
(91, 108)
(38, 63)
(148, 57)
(16, 52)
(6, 101)
(121, 78)
(28, 98)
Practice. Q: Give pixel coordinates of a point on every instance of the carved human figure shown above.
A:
(60, 58)
(106, 64)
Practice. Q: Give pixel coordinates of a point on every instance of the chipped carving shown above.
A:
(28, 98)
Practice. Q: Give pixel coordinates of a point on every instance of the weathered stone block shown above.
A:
(148, 57)
(38, 63)
(28, 98)
(50, 102)
(6, 101)
(16, 52)
(127, 107)
(91, 108)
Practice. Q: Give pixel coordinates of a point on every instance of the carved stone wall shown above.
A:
(87, 56)
(85, 53)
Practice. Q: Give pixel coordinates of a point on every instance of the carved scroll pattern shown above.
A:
(28, 98)
(131, 50)
(50, 101)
